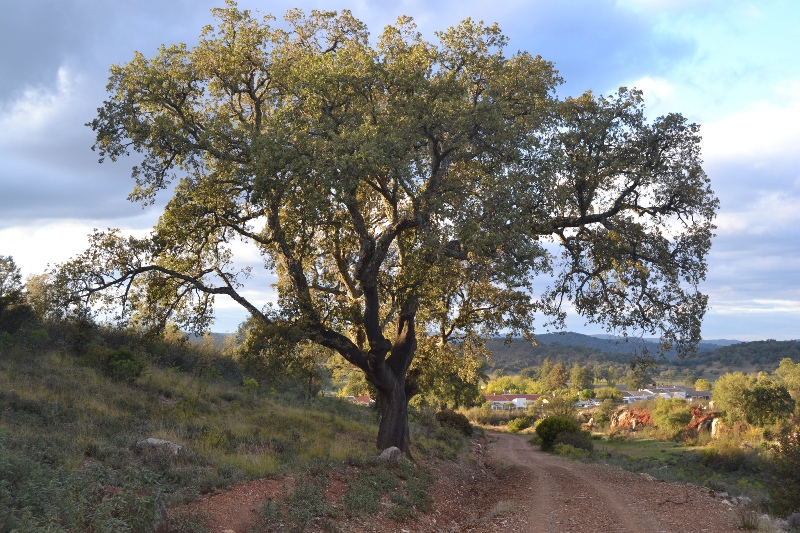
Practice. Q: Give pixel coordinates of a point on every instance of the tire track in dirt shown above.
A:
(556, 495)
(560, 496)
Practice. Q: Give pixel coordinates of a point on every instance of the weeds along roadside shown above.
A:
(71, 429)
(757, 466)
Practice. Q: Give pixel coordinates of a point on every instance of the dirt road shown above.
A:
(541, 493)
(506, 485)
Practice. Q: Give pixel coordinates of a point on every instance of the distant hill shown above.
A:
(219, 339)
(570, 347)
(763, 354)
(720, 342)
(705, 345)
(567, 348)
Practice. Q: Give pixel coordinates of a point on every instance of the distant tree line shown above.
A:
(514, 357)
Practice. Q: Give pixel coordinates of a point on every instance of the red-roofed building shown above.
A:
(361, 400)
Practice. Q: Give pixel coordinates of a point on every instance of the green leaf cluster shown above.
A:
(758, 400)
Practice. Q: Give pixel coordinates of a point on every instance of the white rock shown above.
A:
(391, 455)
(160, 444)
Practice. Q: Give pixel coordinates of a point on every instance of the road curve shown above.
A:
(543, 493)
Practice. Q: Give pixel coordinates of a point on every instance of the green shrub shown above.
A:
(6, 339)
(586, 394)
(400, 511)
(250, 385)
(451, 441)
(518, 424)
(450, 418)
(562, 407)
(361, 499)
(487, 416)
(608, 393)
(188, 522)
(786, 468)
(671, 416)
(567, 450)
(298, 509)
(38, 338)
(604, 412)
(581, 440)
(726, 456)
(550, 428)
(417, 489)
(123, 365)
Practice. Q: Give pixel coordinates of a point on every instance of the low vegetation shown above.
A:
(759, 465)
(75, 414)
(404, 491)
(552, 428)
(754, 457)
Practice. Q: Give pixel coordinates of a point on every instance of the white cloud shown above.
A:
(767, 213)
(758, 134)
(36, 246)
(659, 95)
(37, 107)
(758, 307)
(658, 88)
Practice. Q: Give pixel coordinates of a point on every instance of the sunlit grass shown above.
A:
(347, 446)
(62, 421)
(643, 448)
(253, 465)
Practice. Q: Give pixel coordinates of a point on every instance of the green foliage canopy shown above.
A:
(672, 415)
(581, 377)
(702, 384)
(760, 401)
(586, 394)
(399, 189)
(14, 308)
(609, 393)
(789, 373)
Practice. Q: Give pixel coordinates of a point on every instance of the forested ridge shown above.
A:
(766, 353)
(569, 348)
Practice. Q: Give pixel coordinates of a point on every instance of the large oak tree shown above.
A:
(402, 191)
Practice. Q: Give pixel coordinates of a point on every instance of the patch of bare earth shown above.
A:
(504, 484)
(237, 509)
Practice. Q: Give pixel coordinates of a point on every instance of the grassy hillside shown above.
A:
(72, 456)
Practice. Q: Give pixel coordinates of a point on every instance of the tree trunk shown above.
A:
(387, 366)
(393, 430)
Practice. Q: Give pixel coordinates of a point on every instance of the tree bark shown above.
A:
(393, 430)
(389, 377)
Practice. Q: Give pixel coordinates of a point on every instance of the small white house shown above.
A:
(512, 401)
(637, 396)
(668, 392)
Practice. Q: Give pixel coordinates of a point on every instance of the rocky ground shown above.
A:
(505, 484)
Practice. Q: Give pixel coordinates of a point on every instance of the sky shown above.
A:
(729, 65)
